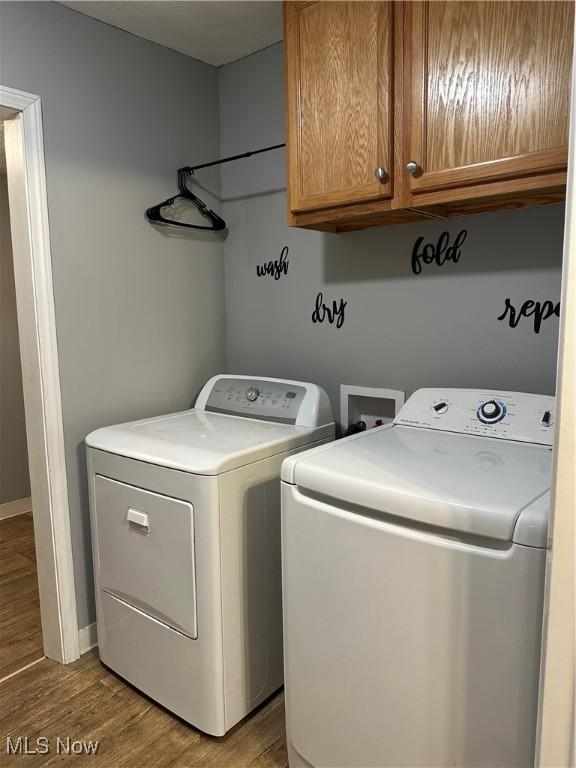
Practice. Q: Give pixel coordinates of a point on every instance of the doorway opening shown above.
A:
(20, 623)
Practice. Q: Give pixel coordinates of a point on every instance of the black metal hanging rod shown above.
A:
(192, 168)
(155, 213)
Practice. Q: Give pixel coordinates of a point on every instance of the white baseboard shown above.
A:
(13, 508)
(87, 638)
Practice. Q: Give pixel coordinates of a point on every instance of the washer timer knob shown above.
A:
(440, 407)
(491, 412)
(252, 393)
(491, 409)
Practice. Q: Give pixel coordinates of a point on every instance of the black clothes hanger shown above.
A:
(155, 212)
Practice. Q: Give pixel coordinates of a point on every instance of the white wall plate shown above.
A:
(373, 405)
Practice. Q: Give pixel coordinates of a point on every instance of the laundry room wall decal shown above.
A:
(335, 315)
(437, 253)
(275, 268)
(540, 311)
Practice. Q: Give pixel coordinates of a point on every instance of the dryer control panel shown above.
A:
(505, 415)
(285, 402)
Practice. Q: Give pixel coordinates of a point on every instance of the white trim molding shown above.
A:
(40, 372)
(87, 638)
(16, 507)
(13, 99)
(556, 735)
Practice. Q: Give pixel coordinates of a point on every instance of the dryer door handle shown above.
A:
(139, 520)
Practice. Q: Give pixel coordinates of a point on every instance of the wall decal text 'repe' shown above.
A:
(334, 315)
(439, 253)
(539, 310)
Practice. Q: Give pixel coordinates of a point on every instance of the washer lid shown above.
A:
(471, 485)
(200, 442)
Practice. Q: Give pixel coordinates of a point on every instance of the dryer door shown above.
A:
(146, 552)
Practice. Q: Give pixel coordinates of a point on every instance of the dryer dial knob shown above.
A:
(252, 393)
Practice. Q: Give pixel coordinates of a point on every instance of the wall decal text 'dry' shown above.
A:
(275, 268)
(438, 253)
(334, 315)
(539, 311)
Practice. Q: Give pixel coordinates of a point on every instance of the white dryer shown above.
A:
(185, 514)
(413, 565)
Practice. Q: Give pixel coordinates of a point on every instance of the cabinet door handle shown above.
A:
(413, 167)
(139, 520)
(381, 174)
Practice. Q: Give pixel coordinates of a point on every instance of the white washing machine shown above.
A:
(413, 565)
(185, 514)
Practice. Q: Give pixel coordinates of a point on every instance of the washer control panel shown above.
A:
(285, 402)
(506, 415)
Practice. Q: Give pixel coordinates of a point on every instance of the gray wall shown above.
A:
(402, 331)
(14, 477)
(140, 312)
(140, 316)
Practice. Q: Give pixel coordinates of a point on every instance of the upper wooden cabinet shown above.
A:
(339, 83)
(462, 105)
(489, 91)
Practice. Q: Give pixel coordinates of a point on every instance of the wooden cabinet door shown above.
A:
(339, 102)
(490, 89)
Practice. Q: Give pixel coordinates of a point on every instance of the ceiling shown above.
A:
(214, 31)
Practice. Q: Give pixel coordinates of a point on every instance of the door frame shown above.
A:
(40, 370)
(556, 734)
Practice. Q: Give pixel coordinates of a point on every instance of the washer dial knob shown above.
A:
(252, 393)
(491, 412)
